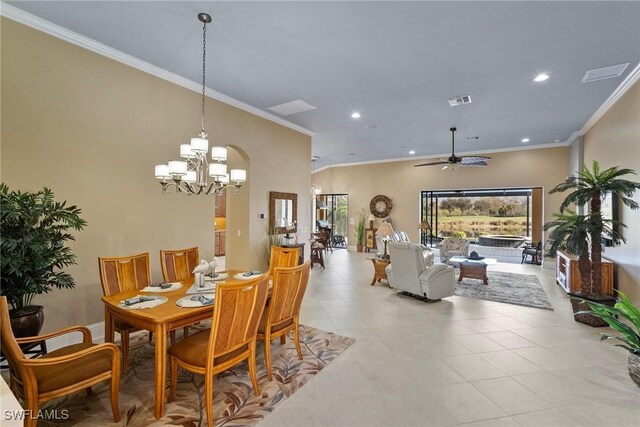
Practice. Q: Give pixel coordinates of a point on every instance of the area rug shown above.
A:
(520, 289)
(234, 402)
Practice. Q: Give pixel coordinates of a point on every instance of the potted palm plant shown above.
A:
(359, 231)
(34, 230)
(623, 317)
(589, 187)
(570, 232)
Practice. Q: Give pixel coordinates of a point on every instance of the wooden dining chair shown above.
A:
(231, 339)
(177, 265)
(282, 257)
(60, 372)
(283, 311)
(121, 274)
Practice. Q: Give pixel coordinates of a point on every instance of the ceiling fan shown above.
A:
(454, 161)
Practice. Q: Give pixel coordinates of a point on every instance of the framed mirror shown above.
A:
(283, 212)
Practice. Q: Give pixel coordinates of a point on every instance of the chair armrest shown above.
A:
(111, 347)
(435, 269)
(86, 335)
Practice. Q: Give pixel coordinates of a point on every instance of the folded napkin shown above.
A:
(247, 275)
(163, 287)
(196, 301)
(142, 301)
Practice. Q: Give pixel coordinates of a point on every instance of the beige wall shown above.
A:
(92, 130)
(614, 140)
(403, 183)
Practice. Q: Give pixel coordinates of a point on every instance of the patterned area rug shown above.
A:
(520, 289)
(234, 402)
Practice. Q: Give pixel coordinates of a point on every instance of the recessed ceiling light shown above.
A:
(525, 140)
(556, 140)
(355, 115)
(373, 126)
(412, 152)
(541, 77)
(351, 154)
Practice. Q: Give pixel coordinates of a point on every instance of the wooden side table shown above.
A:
(380, 273)
(474, 270)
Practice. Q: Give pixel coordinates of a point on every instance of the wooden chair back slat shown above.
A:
(178, 265)
(10, 348)
(120, 274)
(289, 287)
(282, 257)
(236, 315)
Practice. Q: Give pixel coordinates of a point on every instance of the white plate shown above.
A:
(157, 300)
(155, 289)
(187, 302)
(219, 276)
(240, 276)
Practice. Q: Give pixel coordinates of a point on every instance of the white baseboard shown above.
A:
(97, 334)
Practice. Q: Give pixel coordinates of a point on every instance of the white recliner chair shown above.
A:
(409, 272)
(401, 236)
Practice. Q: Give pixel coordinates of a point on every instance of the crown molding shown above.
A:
(626, 84)
(441, 156)
(22, 17)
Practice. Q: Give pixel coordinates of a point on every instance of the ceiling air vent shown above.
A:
(460, 100)
(292, 107)
(604, 73)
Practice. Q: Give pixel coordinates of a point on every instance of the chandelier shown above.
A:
(196, 174)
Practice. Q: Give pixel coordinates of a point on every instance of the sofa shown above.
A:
(453, 246)
(402, 237)
(409, 272)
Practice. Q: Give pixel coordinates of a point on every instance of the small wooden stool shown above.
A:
(316, 254)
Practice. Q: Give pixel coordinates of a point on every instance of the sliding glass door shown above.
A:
(474, 213)
(331, 214)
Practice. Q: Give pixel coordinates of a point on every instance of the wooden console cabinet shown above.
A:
(568, 274)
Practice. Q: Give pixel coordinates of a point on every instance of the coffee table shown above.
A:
(473, 269)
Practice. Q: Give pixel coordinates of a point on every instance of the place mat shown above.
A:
(244, 276)
(146, 304)
(218, 276)
(209, 287)
(174, 286)
(189, 302)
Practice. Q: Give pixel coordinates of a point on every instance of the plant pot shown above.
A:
(359, 248)
(585, 318)
(634, 368)
(27, 323)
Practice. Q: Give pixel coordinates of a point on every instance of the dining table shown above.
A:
(160, 319)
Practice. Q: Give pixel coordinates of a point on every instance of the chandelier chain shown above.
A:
(204, 58)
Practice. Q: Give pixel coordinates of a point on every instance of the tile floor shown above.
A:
(460, 361)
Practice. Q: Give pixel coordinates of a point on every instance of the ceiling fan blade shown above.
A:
(476, 164)
(442, 162)
(472, 159)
